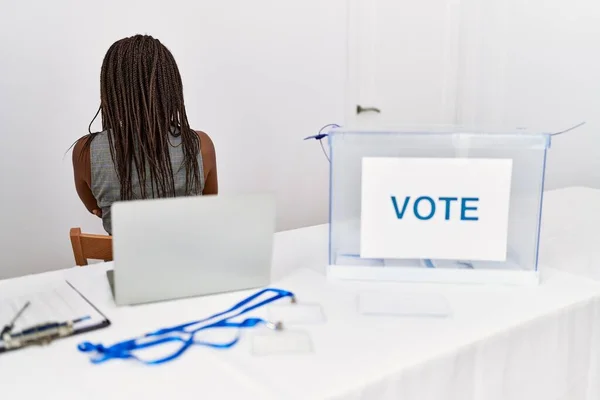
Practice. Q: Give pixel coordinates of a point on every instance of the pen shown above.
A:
(8, 328)
(47, 326)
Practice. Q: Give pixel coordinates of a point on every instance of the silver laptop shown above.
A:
(173, 248)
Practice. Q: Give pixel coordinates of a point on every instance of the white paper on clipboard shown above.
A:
(59, 302)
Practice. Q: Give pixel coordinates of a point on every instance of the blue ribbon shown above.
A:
(184, 335)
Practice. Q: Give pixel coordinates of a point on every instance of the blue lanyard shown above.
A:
(185, 333)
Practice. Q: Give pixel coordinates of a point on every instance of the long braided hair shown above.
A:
(142, 107)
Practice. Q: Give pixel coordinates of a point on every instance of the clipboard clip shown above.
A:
(42, 334)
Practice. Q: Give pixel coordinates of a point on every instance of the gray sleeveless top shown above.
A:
(105, 183)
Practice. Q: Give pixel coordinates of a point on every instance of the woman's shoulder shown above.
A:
(81, 147)
(207, 147)
(84, 142)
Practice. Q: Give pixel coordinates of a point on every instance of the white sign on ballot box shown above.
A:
(435, 208)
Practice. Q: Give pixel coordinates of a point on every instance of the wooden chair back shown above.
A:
(90, 247)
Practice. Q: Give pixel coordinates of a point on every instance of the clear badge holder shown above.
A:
(284, 334)
(403, 304)
(269, 342)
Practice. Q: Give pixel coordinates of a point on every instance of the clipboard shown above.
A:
(40, 317)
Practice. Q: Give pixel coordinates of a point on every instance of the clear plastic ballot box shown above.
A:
(437, 206)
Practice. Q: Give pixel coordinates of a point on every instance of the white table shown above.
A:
(500, 343)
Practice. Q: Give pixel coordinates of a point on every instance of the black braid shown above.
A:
(142, 106)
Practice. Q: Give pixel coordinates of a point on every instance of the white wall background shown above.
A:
(489, 65)
(536, 65)
(258, 77)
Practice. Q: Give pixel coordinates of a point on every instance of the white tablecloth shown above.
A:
(500, 342)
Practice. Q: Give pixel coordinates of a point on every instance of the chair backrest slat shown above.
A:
(90, 247)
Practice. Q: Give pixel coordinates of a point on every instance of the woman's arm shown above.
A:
(209, 164)
(82, 175)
